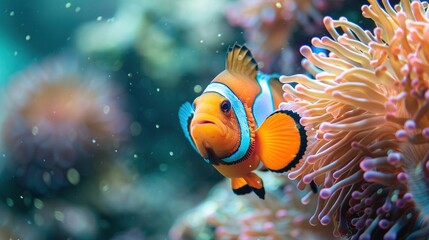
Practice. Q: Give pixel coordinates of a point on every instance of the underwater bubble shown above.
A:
(12, 13)
(73, 176)
(35, 130)
(106, 109)
(68, 5)
(157, 126)
(38, 203)
(171, 153)
(197, 88)
(46, 178)
(27, 37)
(135, 128)
(104, 187)
(99, 18)
(9, 202)
(59, 216)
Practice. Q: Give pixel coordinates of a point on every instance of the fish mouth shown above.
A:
(204, 119)
(203, 122)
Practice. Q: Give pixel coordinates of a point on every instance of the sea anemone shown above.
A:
(223, 215)
(366, 104)
(61, 117)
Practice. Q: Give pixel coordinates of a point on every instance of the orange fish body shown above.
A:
(233, 124)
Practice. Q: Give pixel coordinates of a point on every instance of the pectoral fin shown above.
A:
(281, 141)
(240, 186)
(186, 113)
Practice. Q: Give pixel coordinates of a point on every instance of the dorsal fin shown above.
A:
(241, 61)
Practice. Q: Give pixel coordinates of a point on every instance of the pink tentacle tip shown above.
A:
(386, 207)
(410, 125)
(325, 193)
(327, 21)
(307, 179)
(402, 177)
(316, 42)
(384, 224)
(366, 164)
(409, 197)
(402, 135)
(370, 176)
(329, 90)
(324, 127)
(425, 132)
(305, 50)
(394, 158)
(356, 195)
(325, 220)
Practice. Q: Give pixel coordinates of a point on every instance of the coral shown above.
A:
(61, 117)
(223, 215)
(367, 106)
(268, 24)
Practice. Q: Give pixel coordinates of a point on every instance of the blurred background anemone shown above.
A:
(224, 216)
(61, 121)
(91, 147)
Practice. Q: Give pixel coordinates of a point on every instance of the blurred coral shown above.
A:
(268, 24)
(61, 117)
(223, 215)
(367, 105)
(170, 43)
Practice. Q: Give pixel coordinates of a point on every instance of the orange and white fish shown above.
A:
(233, 125)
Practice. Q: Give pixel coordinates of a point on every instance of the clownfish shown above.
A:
(235, 127)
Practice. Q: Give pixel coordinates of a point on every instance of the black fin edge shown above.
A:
(260, 192)
(303, 137)
(243, 190)
(242, 48)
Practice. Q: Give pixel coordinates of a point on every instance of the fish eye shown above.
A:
(225, 106)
